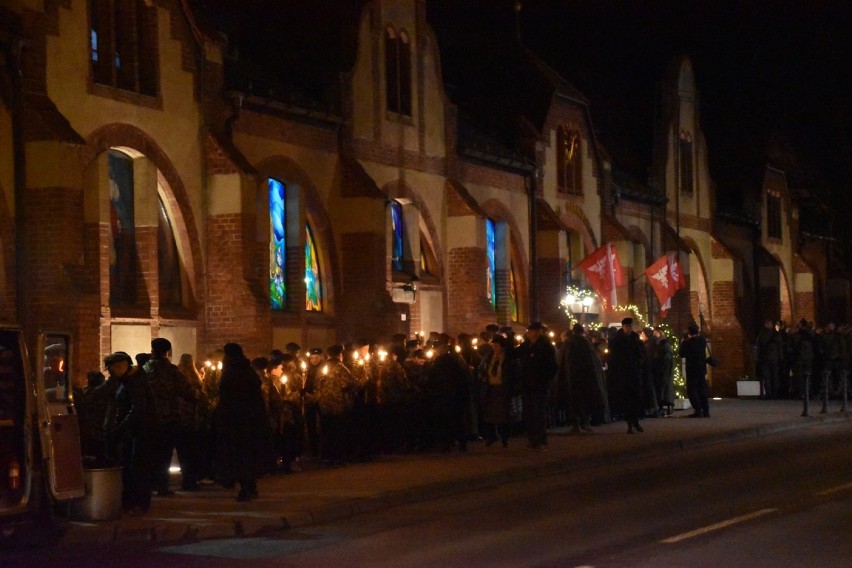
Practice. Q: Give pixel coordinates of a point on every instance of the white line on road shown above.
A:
(717, 526)
(843, 487)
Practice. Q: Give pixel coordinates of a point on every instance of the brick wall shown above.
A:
(468, 307)
(728, 340)
(237, 308)
(550, 292)
(805, 306)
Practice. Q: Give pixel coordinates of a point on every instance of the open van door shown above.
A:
(16, 435)
(59, 429)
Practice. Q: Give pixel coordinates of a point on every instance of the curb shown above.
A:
(165, 532)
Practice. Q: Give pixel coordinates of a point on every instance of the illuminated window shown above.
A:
(313, 282)
(686, 181)
(513, 293)
(277, 245)
(568, 161)
(122, 258)
(398, 237)
(491, 269)
(398, 71)
(773, 214)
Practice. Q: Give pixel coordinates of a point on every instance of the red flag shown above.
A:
(604, 272)
(666, 279)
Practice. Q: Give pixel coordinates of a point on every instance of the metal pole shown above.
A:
(806, 395)
(826, 375)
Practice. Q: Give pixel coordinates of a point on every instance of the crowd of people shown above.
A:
(232, 420)
(788, 355)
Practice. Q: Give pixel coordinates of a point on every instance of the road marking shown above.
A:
(837, 489)
(717, 526)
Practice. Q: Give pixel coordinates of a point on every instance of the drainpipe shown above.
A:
(13, 53)
(532, 181)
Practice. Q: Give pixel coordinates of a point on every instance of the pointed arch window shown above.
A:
(397, 237)
(122, 258)
(773, 214)
(686, 173)
(168, 260)
(568, 162)
(491, 268)
(313, 280)
(277, 245)
(398, 71)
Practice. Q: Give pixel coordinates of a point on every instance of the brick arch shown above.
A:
(7, 261)
(400, 189)
(786, 301)
(572, 216)
(288, 171)
(117, 134)
(499, 212)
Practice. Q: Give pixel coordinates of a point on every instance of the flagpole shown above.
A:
(613, 299)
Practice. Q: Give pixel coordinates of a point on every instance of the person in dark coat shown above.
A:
(447, 391)
(243, 440)
(581, 374)
(626, 362)
(663, 370)
(537, 358)
(694, 350)
(499, 376)
(129, 428)
(804, 352)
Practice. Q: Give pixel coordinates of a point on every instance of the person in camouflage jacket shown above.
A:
(334, 394)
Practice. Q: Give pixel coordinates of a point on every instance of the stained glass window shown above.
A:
(491, 269)
(277, 245)
(313, 283)
(513, 293)
(122, 259)
(398, 229)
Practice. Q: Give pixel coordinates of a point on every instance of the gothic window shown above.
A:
(686, 175)
(773, 214)
(398, 71)
(568, 160)
(122, 45)
(513, 293)
(491, 268)
(122, 258)
(313, 281)
(168, 261)
(277, 245)
(397, 237)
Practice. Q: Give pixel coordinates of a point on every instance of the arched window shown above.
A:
(568, 162)
(398, 71)
(491, 268)
(122, 258)
(277, 245)
(122, 42)
(313, 281)
(168, 261)
(398, 237)
(686, 175)
(513, 293)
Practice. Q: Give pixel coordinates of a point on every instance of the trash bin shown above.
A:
(103, 495)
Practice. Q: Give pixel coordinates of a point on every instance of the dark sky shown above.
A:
(767, 69)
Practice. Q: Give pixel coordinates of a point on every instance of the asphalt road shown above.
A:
(781, 500)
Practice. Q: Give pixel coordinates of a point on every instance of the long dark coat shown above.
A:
(663, 369)
(497, 399)
(581, 380)
(243, 441)
(624, 375)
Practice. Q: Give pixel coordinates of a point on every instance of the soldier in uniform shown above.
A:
(311, 410)
(365, 412)
(334, 395)
(395, 397)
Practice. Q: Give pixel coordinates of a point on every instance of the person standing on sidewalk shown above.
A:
(538, 370)
(626, 364)
(694, 350)
(769, 350)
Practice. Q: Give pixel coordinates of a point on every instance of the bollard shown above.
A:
(806, 394)
(844, 375)
(826, 376)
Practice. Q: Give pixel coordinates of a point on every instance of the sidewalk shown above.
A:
(323, 495)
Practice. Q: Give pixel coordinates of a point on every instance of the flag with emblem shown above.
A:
(666, 279)
(603, 271)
